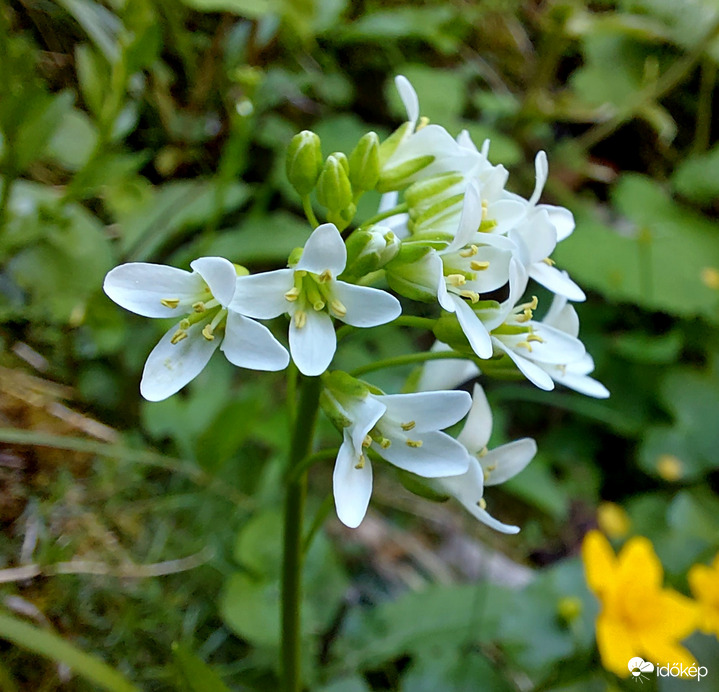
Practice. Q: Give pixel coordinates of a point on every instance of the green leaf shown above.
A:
(251, 609)
(50, 645)
(537, 486)
(36, 131)
(697, 177)
(441, 93)
(658, 257)
(74, 140)
(198, 676)
(101, 25)
(253, 9)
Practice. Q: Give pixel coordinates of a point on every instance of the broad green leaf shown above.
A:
(697, 177)
(50, 645)
(696, 514)
(74, 140)
(251, 609)
(659, 257)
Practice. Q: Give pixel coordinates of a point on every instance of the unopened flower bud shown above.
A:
(398, 176)
(369, 250)
(304, 161)
(334, 190)
(364, 163)
(340, 390)
(412, 273)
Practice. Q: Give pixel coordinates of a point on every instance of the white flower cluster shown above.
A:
(457, 237)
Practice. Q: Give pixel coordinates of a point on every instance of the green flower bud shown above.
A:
(389, 146)
(398, 176)
(369, 250)
(411, 275)
(304, 161)
(334, 190)
(340, 389)
(364, 163)
(425, 193)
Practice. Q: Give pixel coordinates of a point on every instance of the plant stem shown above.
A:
(409, 359)
(300, 446)
(399, 209)
(309, 212)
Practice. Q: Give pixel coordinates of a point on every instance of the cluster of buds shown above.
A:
(448, 234)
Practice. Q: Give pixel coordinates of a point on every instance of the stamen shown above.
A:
(525, 344)
(535, 337)
(482, 503)
(318, 305)
(385, 443)
(483, 453)
(360, 463)
(293, 294)
(471, 295)
(423, 122)
(407, 426)
(479, 266)
(470, 251)
(185, 324)
(178, 336)
(456, 279)
(338, 308)
(549, 261)
(207, 332)
(367, 441)
(300, 319)
(171, 303)
(485, 206)
(415, 444)
(199, 306)
(325, 276)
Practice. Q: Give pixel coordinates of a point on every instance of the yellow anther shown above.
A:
(423, 122)
(525, 344)
(483, 453)
(338, 308)
(482, 503)
(367, 441)
(360, 463)
(415, 444)
(535, 337)
(408, 425)
(171, 303)
(525, 316)
(471, 295)
(199, 306)
(479, 266)
(293, 294)
(178, 336)
(318, 305)
(470, 251)
(456, 279)
(207, 332)
(325, 276)
(485, 206)
(300, 319)
(184, 324)
(385, 443)
(549, 261)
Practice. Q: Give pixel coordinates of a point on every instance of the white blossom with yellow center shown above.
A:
(311, 295)
(201, 297)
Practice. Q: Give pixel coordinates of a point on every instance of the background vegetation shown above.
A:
(148, 534)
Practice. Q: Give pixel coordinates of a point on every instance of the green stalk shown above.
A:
(309, 212)
(399, 209)
(304, 426)
(410, 359)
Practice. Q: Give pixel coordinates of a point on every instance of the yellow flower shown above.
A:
(704, 583)
(638, 616)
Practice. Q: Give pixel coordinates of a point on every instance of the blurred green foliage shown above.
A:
(150, 130)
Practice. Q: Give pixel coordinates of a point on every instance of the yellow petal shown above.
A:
(663, 652)
(680, 615)
(600, 563)
(639, 565)
(616, 644)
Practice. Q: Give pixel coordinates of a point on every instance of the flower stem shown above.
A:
(409, 359)
(309, 212)
(304, 425)
(399, 209)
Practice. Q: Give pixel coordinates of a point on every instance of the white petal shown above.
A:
(562, 316)
(557, 347)
(366, 307)
(556, 281)
(506, 213)
(262, 296)
(469, 219)
(542, 170)
(439, 455)
(532, 372)
(324, 250)
(467, 487)
(427, 410)
(364, 414)
(562, 219)
(486, 518)
(464, 140)
(507, 460)
(388, 201)
(352, 487)
(536, 237)
(313, 345)
(494, 276)
(581, 383)
(408, 96)
(219, 274)
(170, 367)
(445, 374)
(478, 427)
(473, 329)
(139, 287)
(249, 344)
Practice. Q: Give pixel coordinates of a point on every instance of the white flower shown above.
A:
(575, 374)
(203, 296)
(311, 295)
(402, 428)
(487, 467)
